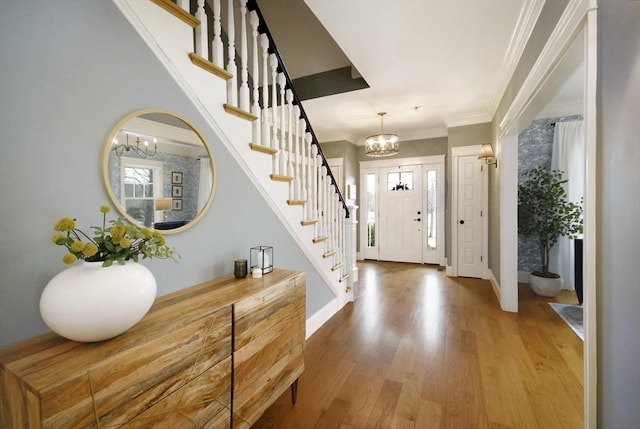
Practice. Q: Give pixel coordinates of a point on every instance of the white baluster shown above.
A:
(297, 153)
(202, 47)
(232, 85)
(290, 135)
(312, 188)
(283, 125)
(216, 44)
(307, 176)
(244, 58)
(331, 245)
(273, 62)
(323, 196)
(255, 107)
(266, 136)
(341, 219)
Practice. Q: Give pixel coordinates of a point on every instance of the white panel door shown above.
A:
(469, 216)
(400, 216)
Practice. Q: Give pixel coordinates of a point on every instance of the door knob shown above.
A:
(417, 219)
(418, 212)
(461, 222)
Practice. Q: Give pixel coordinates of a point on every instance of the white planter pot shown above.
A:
(544, 286)
(90, 303)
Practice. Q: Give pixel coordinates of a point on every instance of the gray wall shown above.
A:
(618, 235)
(69, 71)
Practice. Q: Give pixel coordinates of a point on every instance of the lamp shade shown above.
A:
(486, 151)
(163, 203)
(381, 144)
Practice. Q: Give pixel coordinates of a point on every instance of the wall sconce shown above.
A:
(163, 204)
(486, 153)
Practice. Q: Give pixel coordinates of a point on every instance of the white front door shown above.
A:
(401, 214)
(469, 219)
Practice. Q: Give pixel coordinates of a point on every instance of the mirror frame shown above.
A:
(105, 168)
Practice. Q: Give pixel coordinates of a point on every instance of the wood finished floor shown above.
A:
(420, 350)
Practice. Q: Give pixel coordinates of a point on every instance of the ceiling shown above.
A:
(430, 64)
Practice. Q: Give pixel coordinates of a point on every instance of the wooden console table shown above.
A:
(215, 355)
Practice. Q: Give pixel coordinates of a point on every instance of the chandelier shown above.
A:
(140, 148)
(381, 144)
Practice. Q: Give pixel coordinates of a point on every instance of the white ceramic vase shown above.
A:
(88, 302)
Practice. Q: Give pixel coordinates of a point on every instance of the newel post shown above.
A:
(351, 225)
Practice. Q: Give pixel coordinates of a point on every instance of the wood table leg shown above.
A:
(294, 392)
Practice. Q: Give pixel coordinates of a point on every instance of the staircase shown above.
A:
(238, 82)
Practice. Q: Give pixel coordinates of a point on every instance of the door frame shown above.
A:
(339, 163)
(577, 16)
(440, 203)
(456, 153)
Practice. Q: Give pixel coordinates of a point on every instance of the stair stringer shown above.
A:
(171, 41)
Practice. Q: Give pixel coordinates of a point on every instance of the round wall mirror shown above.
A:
(158, 170)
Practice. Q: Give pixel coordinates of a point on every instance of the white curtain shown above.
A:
(568, 155)
(204, 188)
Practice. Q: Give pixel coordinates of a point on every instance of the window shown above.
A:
(371, 210)
(142, 184)
(432, 199)
(400, 181)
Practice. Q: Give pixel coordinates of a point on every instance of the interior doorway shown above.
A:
(577, 28)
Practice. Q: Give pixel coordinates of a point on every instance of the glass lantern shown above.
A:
(262, 257)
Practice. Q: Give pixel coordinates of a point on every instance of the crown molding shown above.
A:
(430, 133)
(469, 119)
(567, 27)
(524, 27)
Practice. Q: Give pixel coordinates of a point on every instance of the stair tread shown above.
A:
(343, 278)
(209, 66)
(263, 149)
(328, 254)
(280, 178)
(236, 111)
(336, 266)
(308, 222)
(319, 239)
(296, 202)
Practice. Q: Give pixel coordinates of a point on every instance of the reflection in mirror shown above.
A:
(158, 170)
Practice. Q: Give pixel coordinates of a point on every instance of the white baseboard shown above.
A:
(494, 284)
(449, 270)
(523, 277)
(321, 316)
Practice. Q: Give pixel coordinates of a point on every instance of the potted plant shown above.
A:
(545, 214)
(109, 291)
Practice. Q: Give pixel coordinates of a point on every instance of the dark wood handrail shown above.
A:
(263, 28)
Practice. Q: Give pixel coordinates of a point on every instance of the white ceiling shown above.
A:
(430, 64)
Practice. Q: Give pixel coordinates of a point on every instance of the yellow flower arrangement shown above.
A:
(117, 242)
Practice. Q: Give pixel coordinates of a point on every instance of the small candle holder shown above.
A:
(262, 258)
(240, 268)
